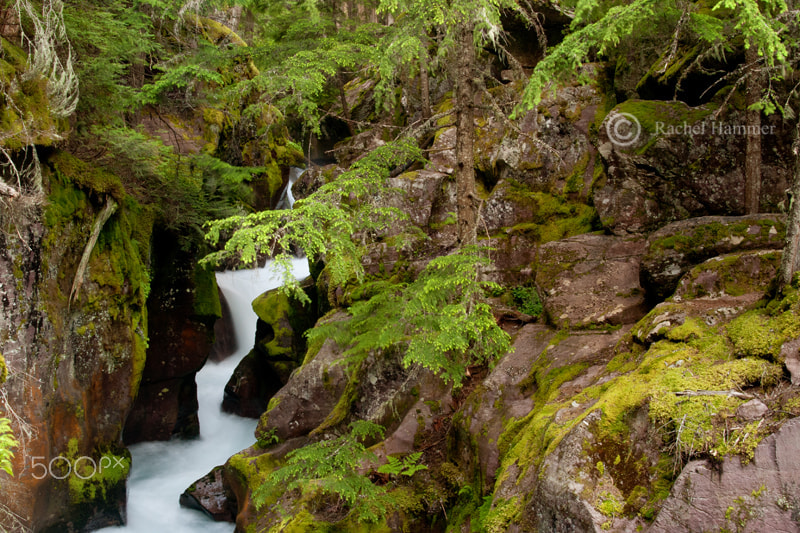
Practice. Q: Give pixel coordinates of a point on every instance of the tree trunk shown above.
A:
(424, 86)
(752, 165)
(790, 262)
(345, 108)
(465, 131)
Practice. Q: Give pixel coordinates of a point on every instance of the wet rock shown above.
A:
(211, 495)
(308, 397)
(591, 280)
(224, 336)
(164, 409)
(752, 410)
(252, 384)
(677, 247)
(664, 175)
(182, 308)
(757, 496)
(73, 368)
(280, 347)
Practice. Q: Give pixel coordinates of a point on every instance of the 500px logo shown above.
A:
(83, 467)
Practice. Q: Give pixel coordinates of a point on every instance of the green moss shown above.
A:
(3, 370)
(755, 335)
(656, 116)
(695, 357)
(276, 309)
(341, 410)
(502, 514)
(214, 117)
(116, 282)
(206, 293)
(91, 478)
(608, 504)
(72, 170)
(214, 31)
(553, 217)
(698, 240)
(692, 328)
(574, 182)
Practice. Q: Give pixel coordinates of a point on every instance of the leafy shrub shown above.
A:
(527, 300)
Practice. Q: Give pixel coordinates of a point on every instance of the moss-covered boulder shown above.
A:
(280, 348)
(684, 163)
(601, 448)
(308, 398)
(677, 247)
(730, 275)
(514, 208)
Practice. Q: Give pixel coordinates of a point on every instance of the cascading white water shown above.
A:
(161, 471)
(287, 198)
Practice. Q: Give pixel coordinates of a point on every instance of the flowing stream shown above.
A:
(161, 471)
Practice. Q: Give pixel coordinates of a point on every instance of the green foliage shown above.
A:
(110, 39)
(527, 300)
(332, 467)
(330, 223)
(439, 320)
(599, 28)
(304, 51)
(407, 466)
(7, 442)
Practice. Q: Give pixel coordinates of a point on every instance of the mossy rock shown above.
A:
(283, 320)
(26, 120)
(641, 390)
(88, 177)
(3, 370)
(206, 293)
(677, 247)
(730, 275)
(658, 118)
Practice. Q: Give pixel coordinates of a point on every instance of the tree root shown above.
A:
(102, 218)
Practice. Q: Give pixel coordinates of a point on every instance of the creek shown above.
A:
(161, 471)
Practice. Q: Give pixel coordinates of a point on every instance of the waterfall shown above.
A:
(287, 198)
(161, 471)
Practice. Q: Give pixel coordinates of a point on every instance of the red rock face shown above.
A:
(73, 367)
(179, 344)
(758, 496)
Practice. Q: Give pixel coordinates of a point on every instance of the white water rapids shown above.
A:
(161, 471)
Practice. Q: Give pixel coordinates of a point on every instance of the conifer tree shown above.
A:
(464, 25)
